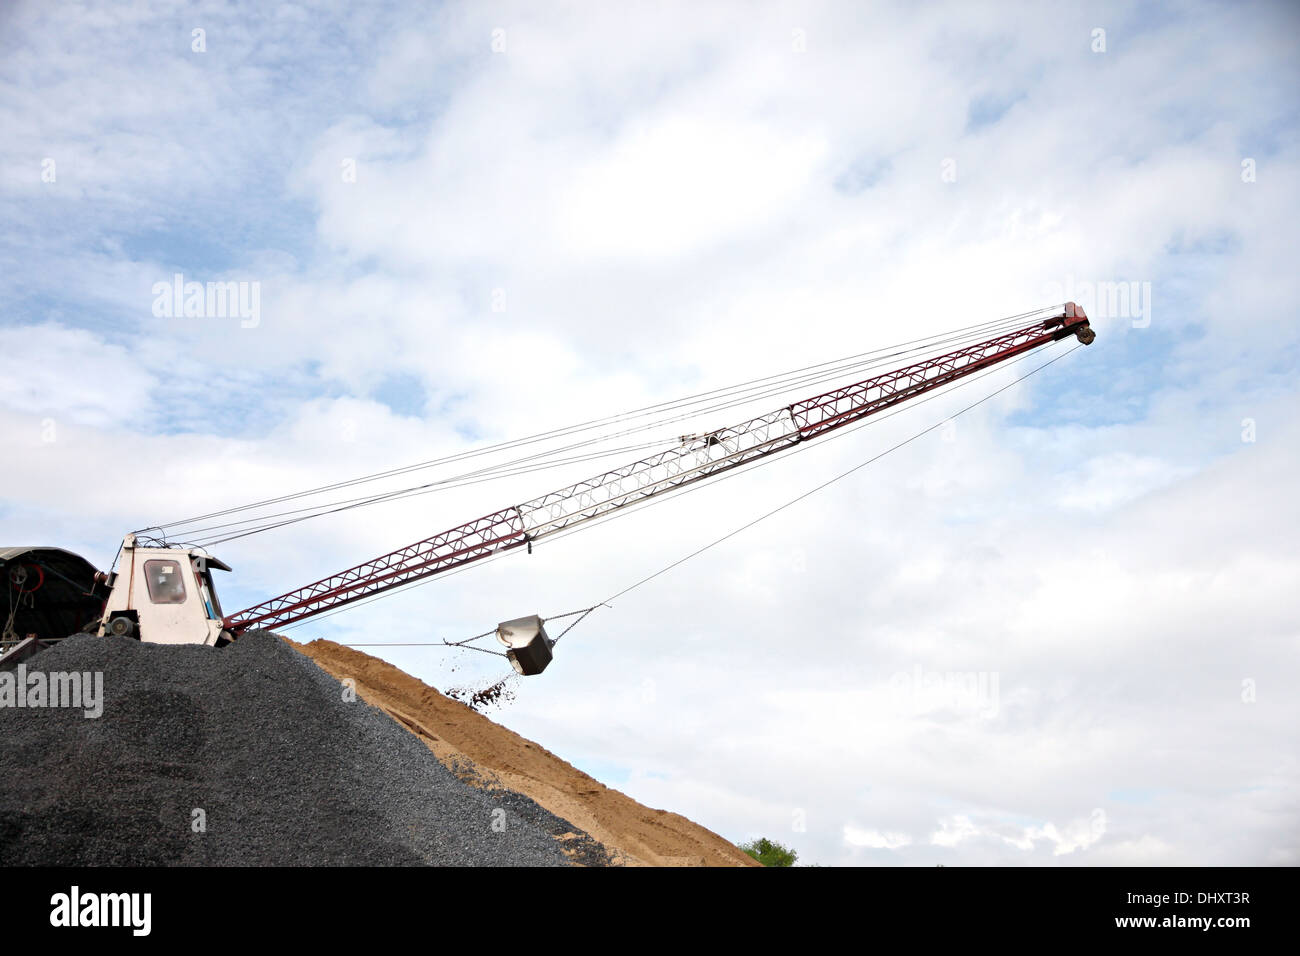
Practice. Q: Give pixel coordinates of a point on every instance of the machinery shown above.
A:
(48, 593)
(166, 594)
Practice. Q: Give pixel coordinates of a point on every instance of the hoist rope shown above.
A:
(826, 484)
(712, 480)
(607, 602)
(691, 399)
(263, 523)
(673, 494)
(536, 462)
(456, 481)
(712, 401)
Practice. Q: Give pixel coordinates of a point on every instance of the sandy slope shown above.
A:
(475, 747)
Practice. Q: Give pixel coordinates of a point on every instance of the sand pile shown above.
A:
(499, 760)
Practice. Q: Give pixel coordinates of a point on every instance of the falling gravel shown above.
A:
(248, 754)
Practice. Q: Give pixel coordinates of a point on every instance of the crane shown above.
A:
(167, 594)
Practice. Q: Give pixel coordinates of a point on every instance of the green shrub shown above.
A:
(770, 853)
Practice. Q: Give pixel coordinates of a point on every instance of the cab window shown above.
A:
(166, 586)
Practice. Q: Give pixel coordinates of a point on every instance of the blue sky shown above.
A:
(567, 212)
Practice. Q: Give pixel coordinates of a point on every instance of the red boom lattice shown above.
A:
(460, 545)
(696, 459)
(822, 413)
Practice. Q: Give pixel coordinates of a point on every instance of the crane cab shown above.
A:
(164, 595)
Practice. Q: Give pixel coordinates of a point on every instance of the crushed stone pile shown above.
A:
(263, 747)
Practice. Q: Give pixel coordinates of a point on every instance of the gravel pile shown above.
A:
(258, 738)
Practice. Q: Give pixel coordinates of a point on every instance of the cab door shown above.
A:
(177, 604)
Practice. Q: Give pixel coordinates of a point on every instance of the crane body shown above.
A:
(165, 594)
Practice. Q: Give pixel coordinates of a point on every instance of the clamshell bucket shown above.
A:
(528, 647)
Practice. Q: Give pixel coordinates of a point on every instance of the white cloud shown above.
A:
(1113, 479)
(953, 831)
(874, 839)
(1076, 835)
(682, 185)
(72, 375)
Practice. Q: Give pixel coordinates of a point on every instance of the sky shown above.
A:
(1059, 630)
